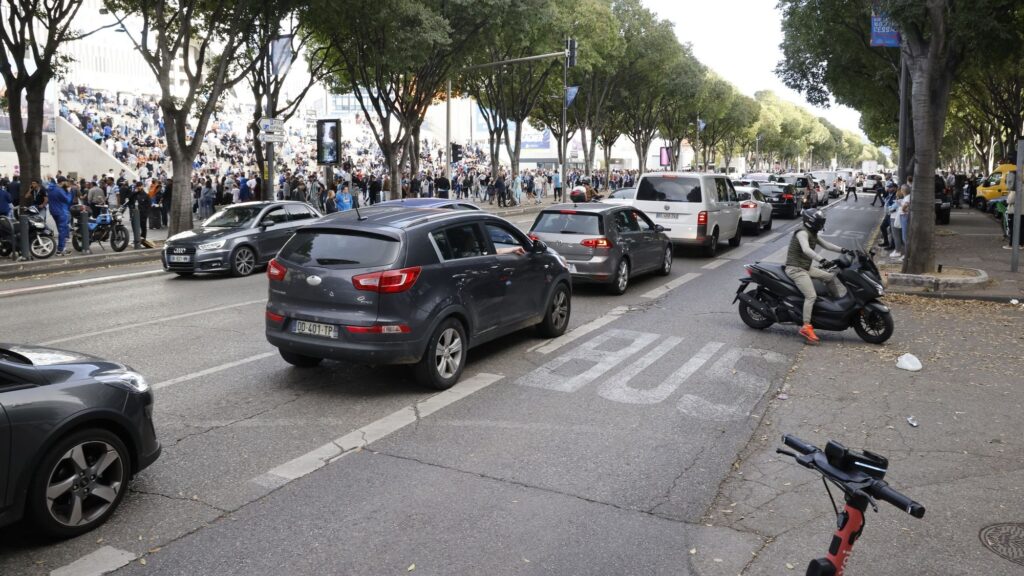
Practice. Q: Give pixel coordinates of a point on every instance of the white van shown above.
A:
(695, 209)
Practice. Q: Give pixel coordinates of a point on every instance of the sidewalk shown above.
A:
(964, 462)
(974, 239)
(103, 255)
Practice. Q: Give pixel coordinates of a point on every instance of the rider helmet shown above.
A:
(814, 219)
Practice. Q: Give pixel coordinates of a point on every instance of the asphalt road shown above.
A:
(597, 453)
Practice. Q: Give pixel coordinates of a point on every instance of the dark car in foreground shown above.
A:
(605, 243)
(74, 429)
(396, 285)
(238, 239)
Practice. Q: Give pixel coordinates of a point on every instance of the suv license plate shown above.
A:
(315, 329)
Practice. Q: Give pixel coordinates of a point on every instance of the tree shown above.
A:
(33, 34)
(395, 57)
(738, 126)
(679, 109)
(651, 50)
(264, 84)
(202, 39)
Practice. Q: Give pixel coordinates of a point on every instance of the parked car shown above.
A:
(605, 244)
(622, 196)
(745, 182)
(446, 203)
(756, 210)
(411, 286)
(237, 239)
(74, 429)
(695, 209)
(784, 199)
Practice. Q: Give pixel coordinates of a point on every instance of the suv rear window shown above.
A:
(339, 249)
(665, 189)
(568, 222)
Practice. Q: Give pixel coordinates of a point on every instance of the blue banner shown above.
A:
(884, 32)
(570, 94)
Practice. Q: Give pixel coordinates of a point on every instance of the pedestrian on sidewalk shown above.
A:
(1011, 210)
(886, 227)
(59, 201)
(331, 203)
(6, 204)
(879, 193)
(557, 182)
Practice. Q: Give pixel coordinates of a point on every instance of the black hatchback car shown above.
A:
(411, 286)
(74, 429)
(785, 199)
(237, 239)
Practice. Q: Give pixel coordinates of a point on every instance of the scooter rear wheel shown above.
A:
(753, 318)
(874, 327)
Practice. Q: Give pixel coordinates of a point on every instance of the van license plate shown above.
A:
(667, 216)
(315, 329)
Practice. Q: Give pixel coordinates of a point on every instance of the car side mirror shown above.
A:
(659, 228)
(539, 247)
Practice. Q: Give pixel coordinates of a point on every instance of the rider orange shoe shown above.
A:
(808, 332)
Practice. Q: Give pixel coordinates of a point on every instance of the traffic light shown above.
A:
(570, 46)
(456, 153)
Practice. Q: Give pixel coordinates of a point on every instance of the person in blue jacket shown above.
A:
(60, 209)
(344, 199)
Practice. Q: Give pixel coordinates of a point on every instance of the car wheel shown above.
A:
(758, 227)
(243, 261)
(445, 357)
(712, 250)
(666, 262)
(621, 279)
(557, 312)
(738, 238)
(300, 361)
(770, 221)
(80, 482)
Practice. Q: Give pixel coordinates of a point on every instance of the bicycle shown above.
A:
(859, 475)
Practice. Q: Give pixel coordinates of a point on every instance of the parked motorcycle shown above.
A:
(106, 227)
(776, 299)
(41, 241)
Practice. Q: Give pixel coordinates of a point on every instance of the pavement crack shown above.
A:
(528, 486)
(675, 481)
(193, 500)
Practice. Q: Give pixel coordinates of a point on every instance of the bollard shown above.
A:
(136, 228)
(83, 228)
(23, 239)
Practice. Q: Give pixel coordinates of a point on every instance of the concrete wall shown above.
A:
(77, 153)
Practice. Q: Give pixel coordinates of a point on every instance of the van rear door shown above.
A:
(674, 201)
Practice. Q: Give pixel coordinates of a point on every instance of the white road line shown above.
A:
(670, 286)
(362, 437)
(778, 257)
(154, 321)
(213, 370)
(77, 283)
(106, 559)
(580, 331)
(714, 264)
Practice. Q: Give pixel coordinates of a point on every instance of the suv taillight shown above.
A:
(702, 218)
(597, 243)
(276, 270)
(388, 281)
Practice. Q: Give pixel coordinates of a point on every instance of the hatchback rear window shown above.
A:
(664, 189)
(567, 222)
(339, 249)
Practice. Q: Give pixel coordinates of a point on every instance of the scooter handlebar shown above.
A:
(798, 444)
(883, 492)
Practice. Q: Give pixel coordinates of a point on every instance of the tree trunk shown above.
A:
(641, 155)
(181, 187)
(607, 162)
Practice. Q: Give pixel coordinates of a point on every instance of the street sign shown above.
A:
(273, 137)
(271, 125)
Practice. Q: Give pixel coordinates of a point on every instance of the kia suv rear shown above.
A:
(396, 285)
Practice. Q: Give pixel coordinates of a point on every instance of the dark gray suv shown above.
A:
(237, 239)
(411, 286)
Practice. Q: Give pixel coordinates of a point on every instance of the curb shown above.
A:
(72, 263)
(956, 296)
(933, 282)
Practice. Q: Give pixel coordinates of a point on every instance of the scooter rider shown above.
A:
(800, 266)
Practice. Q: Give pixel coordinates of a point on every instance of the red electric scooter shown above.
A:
(859, 476)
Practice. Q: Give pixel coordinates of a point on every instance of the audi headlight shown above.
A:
(212, 245)
(129, 378)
